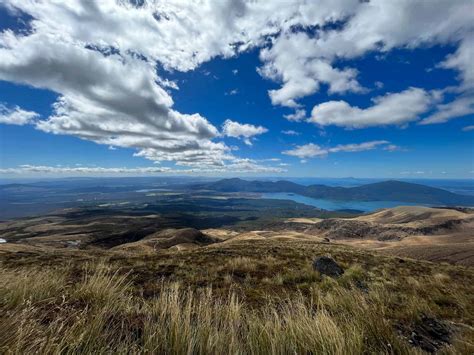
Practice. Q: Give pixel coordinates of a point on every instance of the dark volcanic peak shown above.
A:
(391, 190)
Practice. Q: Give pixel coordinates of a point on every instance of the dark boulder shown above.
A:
(327, 266)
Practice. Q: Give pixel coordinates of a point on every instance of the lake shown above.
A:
(333, 205)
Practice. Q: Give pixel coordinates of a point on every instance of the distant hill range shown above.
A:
(381, 191)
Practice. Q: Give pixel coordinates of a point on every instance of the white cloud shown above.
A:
(245, 131)
(113, 100)
(16, 115)
(237, 166)
(300, 62)
(232, 92)
(462, 61)
(235, 71)
(250, 165)
(459, 107)
(306, 151)
(391, 109)
(378, 84)
(313, 150)
(468, 128)
(290, 132)
(298, 115)
(180, 35)
(392, 148)
(110, 92)
(293, 60)
(82, 170)
(357, 147)
(383, 25)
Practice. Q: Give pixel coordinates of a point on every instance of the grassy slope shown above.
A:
(242, 297)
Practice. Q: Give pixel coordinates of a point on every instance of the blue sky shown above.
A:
(399, 107)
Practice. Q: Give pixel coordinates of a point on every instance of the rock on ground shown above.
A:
(327, 266)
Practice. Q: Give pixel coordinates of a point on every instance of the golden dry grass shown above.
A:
(415, 216)
(247, 297)
(99, 314)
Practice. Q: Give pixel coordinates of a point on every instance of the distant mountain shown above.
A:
(381, 191)
(239, 185)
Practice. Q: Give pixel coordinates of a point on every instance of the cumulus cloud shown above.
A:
(109, 89)
(113, 100)
(293, 60)
(180, 35)
(298, 115)
(110, 92)
(16, 115)
(312, 150)
(391, 109)
(301, 62)
(244, 131)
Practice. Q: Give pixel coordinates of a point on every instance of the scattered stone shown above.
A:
(73, 243)
(430, 334)
(327, 266)
(326, 240)
(361, 285)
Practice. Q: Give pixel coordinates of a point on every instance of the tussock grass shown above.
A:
(242, 264)
(217, 302)
(98, 314)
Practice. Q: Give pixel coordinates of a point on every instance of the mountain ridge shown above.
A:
(390, 190)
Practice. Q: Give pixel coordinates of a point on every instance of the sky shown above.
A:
(338, 88)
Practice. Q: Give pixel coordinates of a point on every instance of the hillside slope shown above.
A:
(434, 234)
(241, 297)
